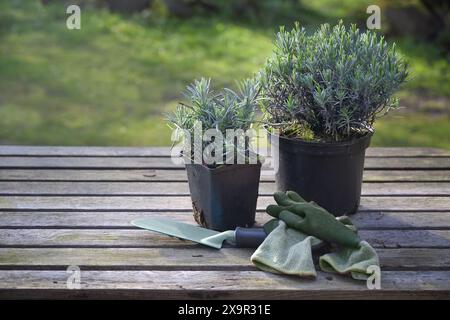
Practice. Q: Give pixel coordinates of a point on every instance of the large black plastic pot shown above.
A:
(225, 197)
(329, 174)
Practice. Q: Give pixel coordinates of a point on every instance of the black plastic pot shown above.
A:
(224, 198)
(329, 174)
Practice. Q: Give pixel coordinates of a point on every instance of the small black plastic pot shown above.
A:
(329, 174)
(224, 198)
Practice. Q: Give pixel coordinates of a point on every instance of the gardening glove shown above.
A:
(351, 261)
(289, 251)
(285, 251)
(311, 219)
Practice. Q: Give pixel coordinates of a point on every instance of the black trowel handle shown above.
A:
(249, 237)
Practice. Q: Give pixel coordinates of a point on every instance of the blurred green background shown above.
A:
(108, 83)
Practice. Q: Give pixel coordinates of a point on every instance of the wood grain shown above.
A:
(220, 285)
(176, 203)
(142, 238)
(196, 258)
(167, 163)
(108, 175)
(165, 151)
(182, 188)
(96, 220)
(63, 206)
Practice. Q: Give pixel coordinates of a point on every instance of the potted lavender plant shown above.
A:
(321, 94)
(223, 171)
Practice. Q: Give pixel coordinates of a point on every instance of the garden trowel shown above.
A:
(241, 237)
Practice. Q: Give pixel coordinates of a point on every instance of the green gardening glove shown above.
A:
(310, 218)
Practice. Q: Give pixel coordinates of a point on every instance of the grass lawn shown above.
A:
(108, 83)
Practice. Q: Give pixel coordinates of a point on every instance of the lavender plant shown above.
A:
(220, 111)
(331, 85)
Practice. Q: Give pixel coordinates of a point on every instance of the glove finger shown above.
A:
(282, 199)
(300, 209)
(291, 219)
(294, 196)
(274, 210)
(347, 222)
(305, 207)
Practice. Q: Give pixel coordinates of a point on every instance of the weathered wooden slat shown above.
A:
(165, 151)
(220, 285)
(189, 259)
(88, 162)
(402, 220)
(126, 258)
(167, 163)
(100, 188)
(96, 175)
(53, 151)
(405, 152)
(180, 175)
(96, 220)
(63, 220)
(143, 238)
(182, 188)
(407, 238)
(183, 203)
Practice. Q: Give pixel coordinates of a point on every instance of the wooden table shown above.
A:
(71, 206)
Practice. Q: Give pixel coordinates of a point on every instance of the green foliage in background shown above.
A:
(110, 82)
(336, 80)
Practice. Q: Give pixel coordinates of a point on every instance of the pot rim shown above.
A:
(225, 167)
(323, 144)
(291, 145)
